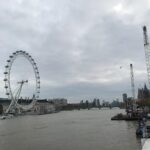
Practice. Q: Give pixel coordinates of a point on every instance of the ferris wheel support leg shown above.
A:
(10, 107)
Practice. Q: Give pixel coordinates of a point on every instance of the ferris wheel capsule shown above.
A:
(7, 94)
(36, 68)
(8, 60)
(5, 79)
(6, 66)
(37, 96)
(5, 72)
(38, 87)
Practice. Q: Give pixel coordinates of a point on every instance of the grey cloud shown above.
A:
(79, 46)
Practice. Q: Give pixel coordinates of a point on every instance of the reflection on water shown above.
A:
(69, 130)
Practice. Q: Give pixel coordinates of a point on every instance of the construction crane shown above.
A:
(132, 82)
(147, 52)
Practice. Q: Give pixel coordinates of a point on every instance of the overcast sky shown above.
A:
(78, 45)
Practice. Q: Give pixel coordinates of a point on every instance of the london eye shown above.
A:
(15, 106)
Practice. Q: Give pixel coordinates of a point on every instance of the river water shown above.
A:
(69, 130)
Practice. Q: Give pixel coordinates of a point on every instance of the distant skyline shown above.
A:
(83, 48)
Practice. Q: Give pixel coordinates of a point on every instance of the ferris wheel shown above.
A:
(14, 97)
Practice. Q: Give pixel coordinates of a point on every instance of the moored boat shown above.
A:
(145, 140)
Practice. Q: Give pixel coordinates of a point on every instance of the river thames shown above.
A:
(69, 130)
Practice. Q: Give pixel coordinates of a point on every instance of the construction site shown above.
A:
(139, 103)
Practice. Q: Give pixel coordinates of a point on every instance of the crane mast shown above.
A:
(132, 82)
(147, 52)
